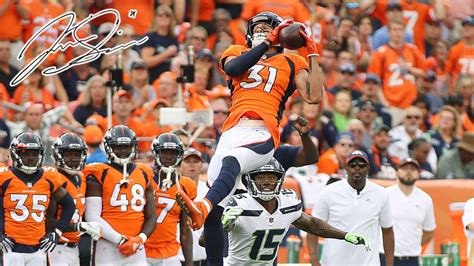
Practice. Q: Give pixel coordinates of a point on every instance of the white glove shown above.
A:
(229, 217)
(6, 244)
(90, 228)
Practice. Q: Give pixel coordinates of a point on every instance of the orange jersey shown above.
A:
(40, 15)
(284, 8)
(461, 60)
(144, 15)
(263, 89)
(46, 97)
(328, 163)
(399, 87)
(416, 16)
(163, 243)
(25, 202)
(77, 190)
(122, 207)
(11, 23)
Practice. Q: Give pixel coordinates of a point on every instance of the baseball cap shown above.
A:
(105, 28)
(156, 103)
(358, 154)
(93, 134)
(394, 5)
(192, 152)
(123, 93)
(381, 127)
(367, 104)
(139, 64)
(372, 78)
(205, 54)
(468, 21)
(408, 161)
(345, 134)
(219, 91)
(347, 67)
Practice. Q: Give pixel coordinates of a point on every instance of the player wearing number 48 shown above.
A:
(265, 213)
(26, 191)
(119, 196)
(162, 247)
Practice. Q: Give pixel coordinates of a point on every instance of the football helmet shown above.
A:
(121, 145)
(270, 18)
(27, 152)
(167, 141)
(70, 152)
(272, 167)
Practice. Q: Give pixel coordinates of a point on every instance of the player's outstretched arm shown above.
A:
(186, 239)
(320, 228)
(309, 154)
(93, 210)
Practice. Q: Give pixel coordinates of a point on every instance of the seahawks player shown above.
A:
(258, 220)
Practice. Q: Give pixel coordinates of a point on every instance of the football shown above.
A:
(290, 37)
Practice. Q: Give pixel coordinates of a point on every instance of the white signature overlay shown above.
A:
(93, 53)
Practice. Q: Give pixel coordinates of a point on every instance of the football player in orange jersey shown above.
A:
(119, 195)
(261, 79)
(70, 153)
(162, 247)
(26, 191)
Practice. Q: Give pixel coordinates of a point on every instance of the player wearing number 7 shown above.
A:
(119, 196)
(261, 79)
(26, 189)
(258, 220)
(163, 246)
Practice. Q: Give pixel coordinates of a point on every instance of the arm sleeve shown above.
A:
(429, 223)
(68, 208)
(93, 213)
(245, 61)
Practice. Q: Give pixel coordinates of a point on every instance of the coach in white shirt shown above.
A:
(355, 205)
(468, 221)
(412, 212)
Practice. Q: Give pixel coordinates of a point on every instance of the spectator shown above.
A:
(362, 137)
(459, 162)
(333, 161)
(129, 55)
(93, 137)
(329, 64)
(183, 136)
(444, 136)
(423, 104)
(75, 78)
(465, 88)
(434, 31)
(419, 149)
(458, 102)
(345, 35)
(162, 44)
(221, 20)
(428, 92)
(33, 89)
(93, 100)
(346, 81)
(11, 16)
(167, 87)
(191, 166)
(141, 89)
(371, 91)
(381, 36)
(363, 46)
(7, 70)
(412, 213)
(437, 63)
(221, 111)
(141, 22)
(382, 164)
(342, 110)
(344, 204)
(151, 121)
(368, 116)
(402, 135)
(399, 64)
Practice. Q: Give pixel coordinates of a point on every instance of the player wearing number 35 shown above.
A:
(261, 78)
(119, 196)
(162, 247)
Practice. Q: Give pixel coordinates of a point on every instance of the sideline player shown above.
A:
(70, 153)
(162, 246)
(261, 78)
(119, 196)
(26, 191)
(264, 215)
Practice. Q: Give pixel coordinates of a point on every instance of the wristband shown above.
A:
(313, 55)
(143, 237)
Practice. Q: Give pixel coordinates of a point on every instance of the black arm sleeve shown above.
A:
(67, 203)
(245, 61)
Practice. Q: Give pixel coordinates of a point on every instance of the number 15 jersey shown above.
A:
(263, 90)
(257, 233)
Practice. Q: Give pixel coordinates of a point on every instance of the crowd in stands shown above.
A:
(398, 76)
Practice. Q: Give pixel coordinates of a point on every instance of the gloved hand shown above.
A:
(131, 245)
(358, 240)
(273, 38)
(50, 240)
(229, 217)
(90, 228)
(311, 46)
(6, 243)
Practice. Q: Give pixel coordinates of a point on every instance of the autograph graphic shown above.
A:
(94, 51)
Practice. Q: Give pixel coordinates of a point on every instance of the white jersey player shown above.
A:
(258, 220)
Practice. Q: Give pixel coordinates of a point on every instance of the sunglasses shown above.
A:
(413, 117)
(221, 113)
(352, 5)
(344, 72)
(350, 145)
(357, 164)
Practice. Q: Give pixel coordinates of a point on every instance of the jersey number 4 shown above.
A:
(270, 244)
(258, 79)
(37, 210)
(137, 202)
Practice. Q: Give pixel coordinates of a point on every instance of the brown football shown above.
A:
(290, 37)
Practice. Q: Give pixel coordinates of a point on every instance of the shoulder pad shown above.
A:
(49, 169)
(289, 193)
